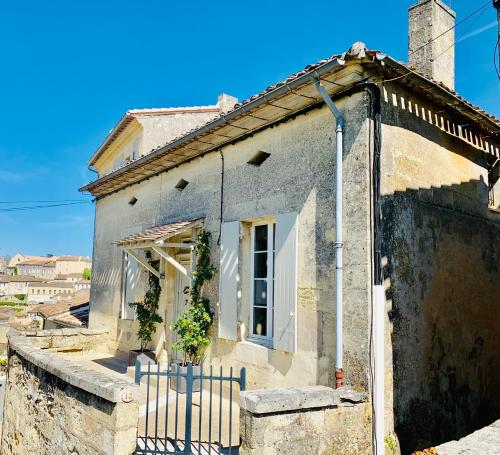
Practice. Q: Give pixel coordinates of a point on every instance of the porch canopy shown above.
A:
(157, 239)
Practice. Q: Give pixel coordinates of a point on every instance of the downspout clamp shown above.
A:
(339, 246)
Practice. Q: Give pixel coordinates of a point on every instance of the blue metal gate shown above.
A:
(188, 410)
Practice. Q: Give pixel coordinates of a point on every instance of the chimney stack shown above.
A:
(428, 20)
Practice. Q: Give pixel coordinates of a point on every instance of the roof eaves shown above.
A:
(275, 91)
(443, 91)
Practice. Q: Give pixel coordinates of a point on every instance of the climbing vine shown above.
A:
(193, 325)
(147, 310)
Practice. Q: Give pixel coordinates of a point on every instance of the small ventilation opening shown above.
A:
(181, 184)
(132, 201)
(259, 158)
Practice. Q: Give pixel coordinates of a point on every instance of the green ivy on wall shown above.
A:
(193, 325)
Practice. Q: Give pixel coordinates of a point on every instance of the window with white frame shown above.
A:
(272, 281)
(262, 282)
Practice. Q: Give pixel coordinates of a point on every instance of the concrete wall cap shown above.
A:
(269, 401)
(102, 385)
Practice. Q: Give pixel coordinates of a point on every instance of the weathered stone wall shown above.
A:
(54, 406)
(311, 420)
(298, 177)
(441, 245)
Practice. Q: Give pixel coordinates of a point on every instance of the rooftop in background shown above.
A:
(72, 311)
(74, 258)
(19, 278)
(53, 284)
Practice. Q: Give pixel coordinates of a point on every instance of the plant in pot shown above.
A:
(193, 325)
(147, 314)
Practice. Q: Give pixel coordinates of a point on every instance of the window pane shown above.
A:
(260, 265)
(261, 238)
(260, 321)
(260, 292)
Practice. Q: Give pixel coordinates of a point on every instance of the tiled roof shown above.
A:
(74, 258)
(133, 113)
(53, 284)
(43, 261)
(158, 232)
(51, 309)
(19, 279)
(284, 99)
(74, 318)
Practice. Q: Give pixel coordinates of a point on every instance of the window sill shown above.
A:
(260, 342)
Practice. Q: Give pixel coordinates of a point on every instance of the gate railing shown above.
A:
(186, 385)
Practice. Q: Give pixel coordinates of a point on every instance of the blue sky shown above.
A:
(71, 69)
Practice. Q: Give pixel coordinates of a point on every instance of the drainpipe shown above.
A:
(339, 334)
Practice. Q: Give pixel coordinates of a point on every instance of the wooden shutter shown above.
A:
(285, 282)
(228, 289)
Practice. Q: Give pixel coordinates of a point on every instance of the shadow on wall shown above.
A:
(443, 271)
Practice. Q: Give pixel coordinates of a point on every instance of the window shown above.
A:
(262, 291)
(270, 277)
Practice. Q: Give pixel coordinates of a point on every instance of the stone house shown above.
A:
(13, 261)
(413, 322)
(43, 291)
(72, 311)
(66, 265)
(39, 266)
(17, 284)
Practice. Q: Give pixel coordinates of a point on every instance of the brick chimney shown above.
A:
(428, 20)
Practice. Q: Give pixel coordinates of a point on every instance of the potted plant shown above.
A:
(146, 314)
(193, 325)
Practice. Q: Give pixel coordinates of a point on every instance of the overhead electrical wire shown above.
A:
(481, 10)
(35, 207)
(456, 41)
(44, 202)
(495, 56)
(451, 28)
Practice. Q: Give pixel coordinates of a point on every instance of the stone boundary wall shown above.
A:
(57, 406)
(310, 420)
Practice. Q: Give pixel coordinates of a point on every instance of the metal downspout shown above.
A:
(339, 246)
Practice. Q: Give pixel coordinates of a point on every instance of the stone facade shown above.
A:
(298, 177)
(441, 245)
(310, 420)
(54, 406)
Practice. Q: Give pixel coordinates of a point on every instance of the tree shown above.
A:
(87, 273)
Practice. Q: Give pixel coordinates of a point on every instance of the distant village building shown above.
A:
(49, 266)
(63, 312)
(4, 263)
(72, 264)
(43, 291)
(17, 284)
(39, 266)
(13, 261)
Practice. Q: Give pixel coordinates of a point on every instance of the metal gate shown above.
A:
(188, 410)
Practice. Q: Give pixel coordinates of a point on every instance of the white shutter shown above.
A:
(228, 289)
(285, 282)
(131, 277)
